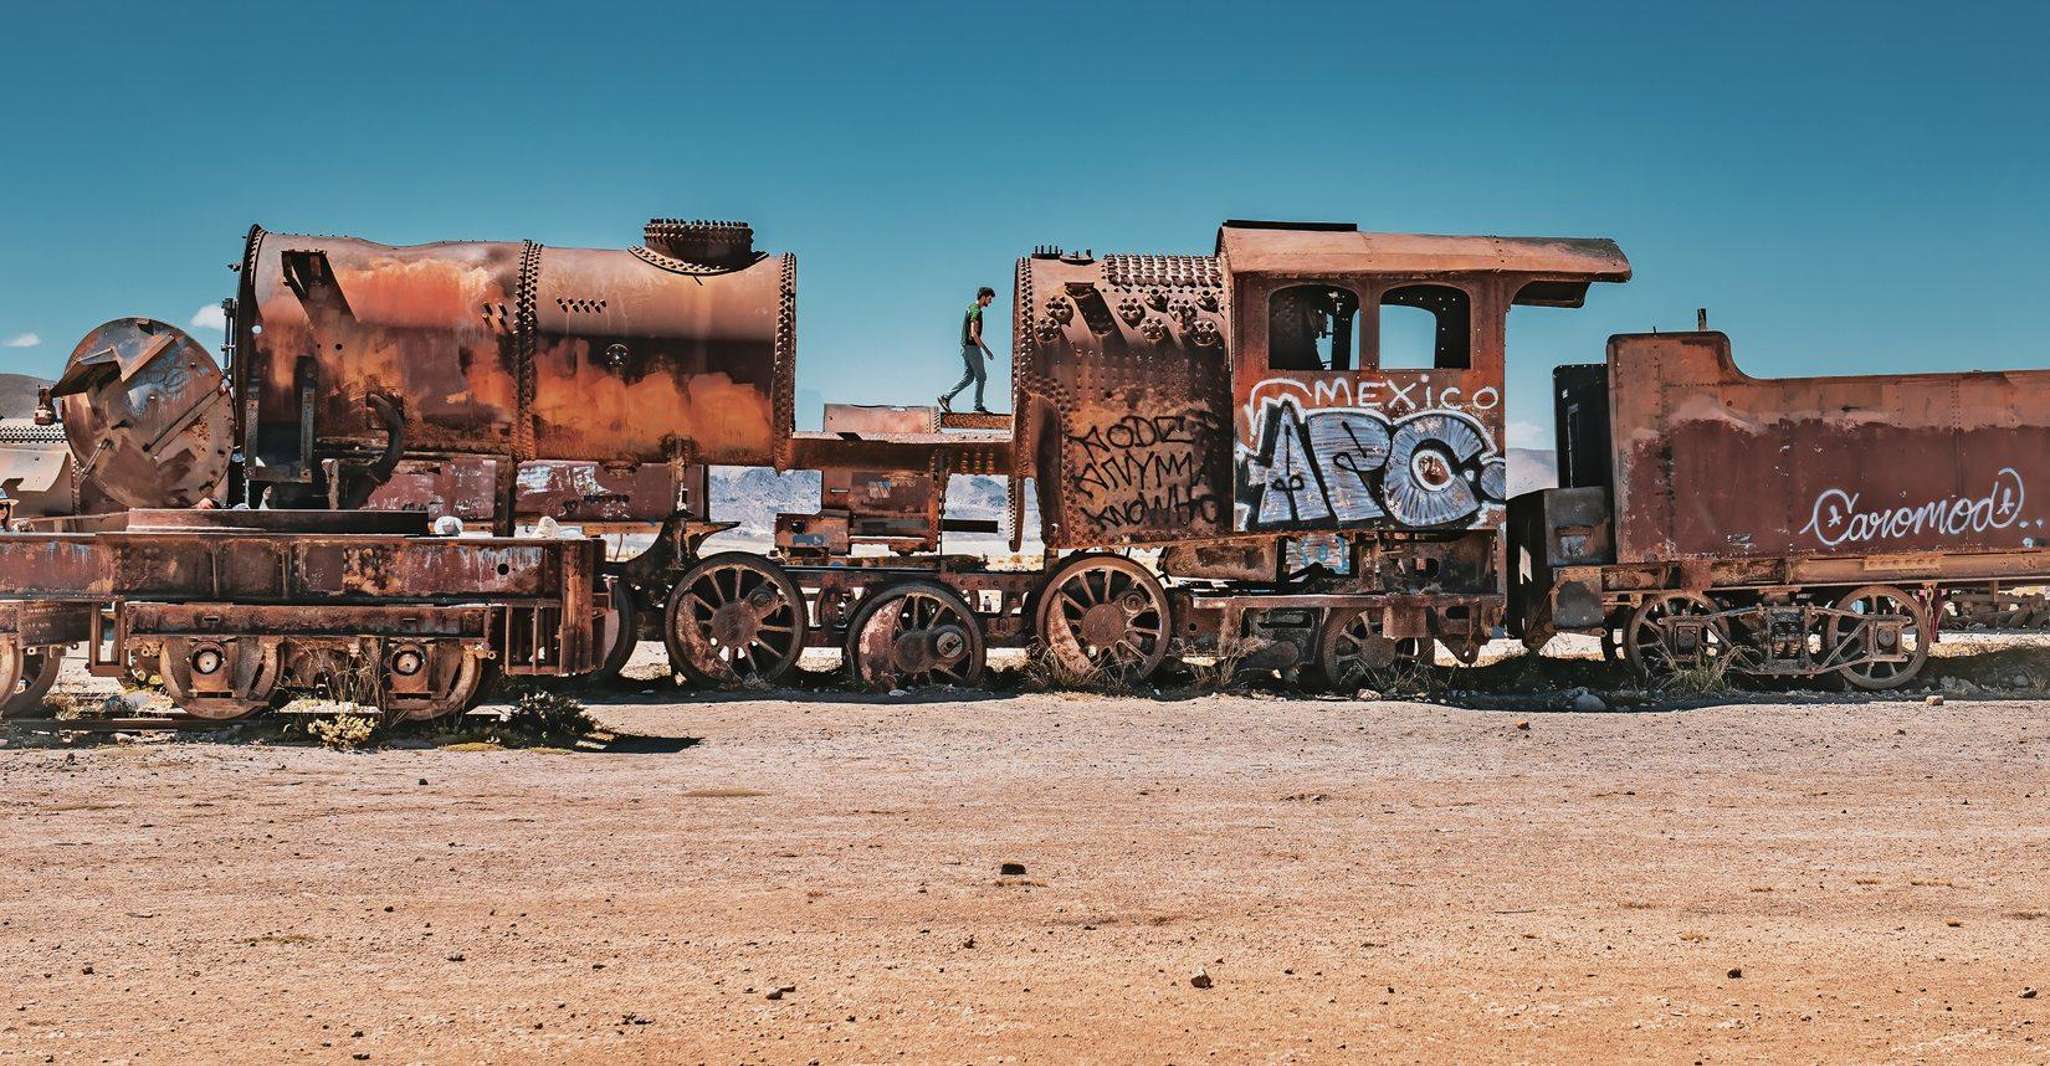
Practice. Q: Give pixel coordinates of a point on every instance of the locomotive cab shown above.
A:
(1367, 396)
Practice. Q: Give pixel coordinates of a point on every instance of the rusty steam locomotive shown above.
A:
(1303, 491)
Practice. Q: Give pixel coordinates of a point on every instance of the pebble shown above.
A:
(1735, 972)
(1584, 701)
(777, 992)
(2028, 993)
(1524, 724)
(1934, 701)
(1011, 869)
(1201, 980)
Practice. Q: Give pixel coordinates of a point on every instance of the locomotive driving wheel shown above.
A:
(26, 675)
(732, 618)
(1351, 649)
(916, 633)
(1879, 610)
(1103, 616)
(1672, 631)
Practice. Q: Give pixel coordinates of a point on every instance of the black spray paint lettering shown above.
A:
(1146, 471)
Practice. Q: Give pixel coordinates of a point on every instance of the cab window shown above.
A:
(1426, 327)
(1310, 327)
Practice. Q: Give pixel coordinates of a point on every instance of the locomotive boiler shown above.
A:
(678, 351)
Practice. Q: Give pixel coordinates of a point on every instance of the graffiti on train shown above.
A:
(1358, 466)
(1838, 517)
(1147, 472)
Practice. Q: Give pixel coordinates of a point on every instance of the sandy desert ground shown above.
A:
(813, 877)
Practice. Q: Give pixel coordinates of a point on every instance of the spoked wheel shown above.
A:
(1874, 602)
(1351, 648)
(27, 674)
(219, 680)
(732, 618)
(917, 633)
(1660, 639)
(1103, 617)
(618, 629)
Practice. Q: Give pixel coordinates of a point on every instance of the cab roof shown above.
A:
(1563, 267)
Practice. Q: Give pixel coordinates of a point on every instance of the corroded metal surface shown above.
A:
(1331, 431)
(146, 413)
(514, 349)
(1120, 392)
(1908, 467)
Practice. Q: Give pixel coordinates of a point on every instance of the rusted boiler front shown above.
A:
(679, 349)
(1714, 464)
(1121, 397)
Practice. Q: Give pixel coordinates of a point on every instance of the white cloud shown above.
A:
(22, 340)
(210, 317)
(1528, 435)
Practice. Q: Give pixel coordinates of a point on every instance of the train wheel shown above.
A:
(1103, 617)
(733, 618)
(423, 681)
(916, 633)
(1615, 630)
(220, 680)
(29, 677)
(1351, 648)
(1646, 639)
(619, 630)
(1872, 601)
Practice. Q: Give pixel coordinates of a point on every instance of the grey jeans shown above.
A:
(972, 356)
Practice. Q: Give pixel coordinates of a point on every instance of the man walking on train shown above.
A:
(973, 352)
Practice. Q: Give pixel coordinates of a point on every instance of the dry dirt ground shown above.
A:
(1813, 880)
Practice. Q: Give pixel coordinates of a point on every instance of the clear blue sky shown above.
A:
(1848, 187)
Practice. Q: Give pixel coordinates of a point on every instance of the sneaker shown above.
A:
(947, 404)
(984, 411)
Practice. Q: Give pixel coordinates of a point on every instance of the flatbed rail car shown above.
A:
(1793, 527)
(231, 607)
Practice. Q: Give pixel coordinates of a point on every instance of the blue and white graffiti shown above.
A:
(1357, 466)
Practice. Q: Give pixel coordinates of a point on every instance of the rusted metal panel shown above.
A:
(513, 349)
(1121, 392)
(198, 619)
(463, 486)
(868, 419)
(402, 570)
(593, 492)
(1713, 464)
(1340, 248)
(955, 453)
(303, 567)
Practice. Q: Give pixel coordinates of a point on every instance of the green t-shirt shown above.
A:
(970, 324)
